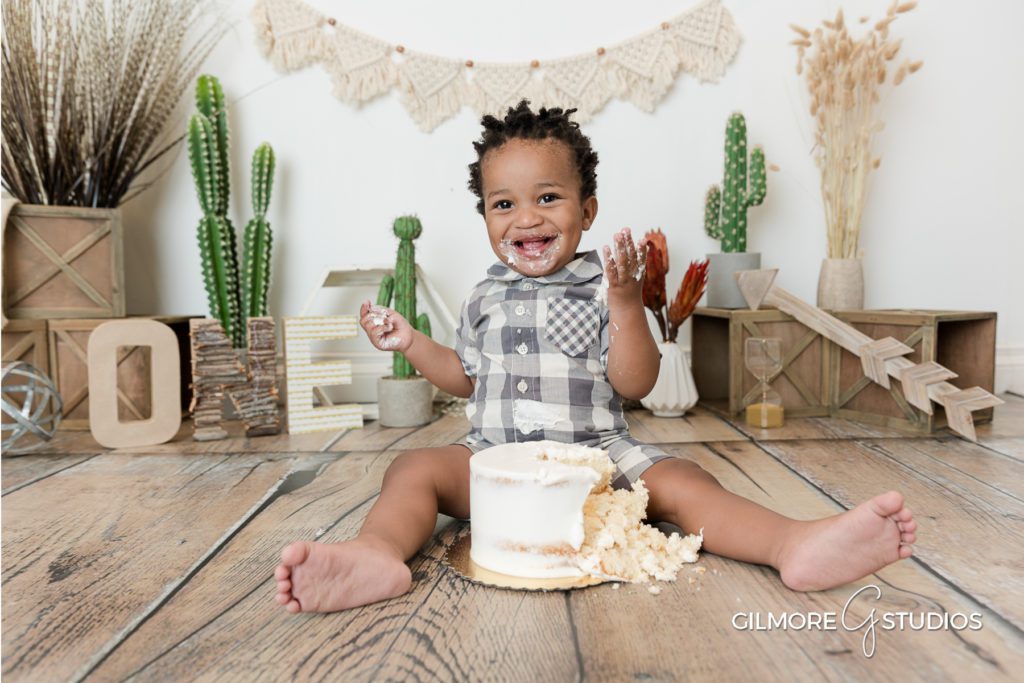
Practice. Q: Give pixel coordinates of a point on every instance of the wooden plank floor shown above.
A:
(156, 564)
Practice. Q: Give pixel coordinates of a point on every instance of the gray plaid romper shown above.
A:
(538, 347)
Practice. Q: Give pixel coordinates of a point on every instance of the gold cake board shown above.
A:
(456, 558)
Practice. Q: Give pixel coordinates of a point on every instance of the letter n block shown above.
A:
(217, 372)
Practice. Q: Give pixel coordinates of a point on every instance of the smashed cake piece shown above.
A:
(546, 509)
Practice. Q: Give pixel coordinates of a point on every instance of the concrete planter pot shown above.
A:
(405, 402)
(841, 284)
(723, 291)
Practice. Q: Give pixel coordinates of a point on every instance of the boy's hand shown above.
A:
(624, 271)
(386, 328)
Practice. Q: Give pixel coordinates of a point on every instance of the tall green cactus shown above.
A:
(725, 213)
(258, 237)
(233, 296)
(403, 286)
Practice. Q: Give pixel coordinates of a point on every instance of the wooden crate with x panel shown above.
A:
(817, 377)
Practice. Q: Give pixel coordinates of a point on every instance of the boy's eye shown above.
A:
(502, 204)
(549, 197)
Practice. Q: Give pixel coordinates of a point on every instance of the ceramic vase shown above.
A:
(723, 292)
(841, 284)
(405, 402)
(675, 391)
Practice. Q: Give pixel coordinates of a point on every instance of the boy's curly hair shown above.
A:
(520, 122)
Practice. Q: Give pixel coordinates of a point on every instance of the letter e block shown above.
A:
(303, 374)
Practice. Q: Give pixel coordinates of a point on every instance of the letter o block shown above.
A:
(164, 384)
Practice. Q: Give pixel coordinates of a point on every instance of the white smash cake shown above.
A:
(545, 509)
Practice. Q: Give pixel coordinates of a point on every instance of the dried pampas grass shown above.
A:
(88, 88)
(844, 77)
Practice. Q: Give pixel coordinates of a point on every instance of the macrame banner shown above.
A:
(701, 41)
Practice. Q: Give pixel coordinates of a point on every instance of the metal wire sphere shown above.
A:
(31, 419)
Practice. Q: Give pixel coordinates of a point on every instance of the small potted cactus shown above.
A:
(405, 398)
(725, 215)
(235, 292)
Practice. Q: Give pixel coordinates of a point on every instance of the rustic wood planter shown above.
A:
(962, 341)
(63, 262)
(723, 383)
(68, 345)
(821, 378)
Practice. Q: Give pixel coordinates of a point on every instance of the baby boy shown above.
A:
(548, 345)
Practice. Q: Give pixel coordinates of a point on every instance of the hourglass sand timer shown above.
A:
(763, 357)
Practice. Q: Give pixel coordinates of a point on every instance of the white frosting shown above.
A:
(533, 416)
(526, 506)
(545, 509)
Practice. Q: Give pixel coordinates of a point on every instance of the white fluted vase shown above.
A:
(675, 391)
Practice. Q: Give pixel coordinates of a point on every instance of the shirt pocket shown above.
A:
(573, 325)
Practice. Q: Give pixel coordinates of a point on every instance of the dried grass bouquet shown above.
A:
(88, 88)
(670, 315)
(844, 77)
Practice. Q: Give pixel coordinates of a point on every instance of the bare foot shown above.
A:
(837, 550)
(329, 577)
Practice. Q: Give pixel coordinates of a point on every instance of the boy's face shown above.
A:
(532, 206)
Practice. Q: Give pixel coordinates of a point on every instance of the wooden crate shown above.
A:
(25, 340)
(68, 344)
(725, 385)
(63, 262)
(963, 341)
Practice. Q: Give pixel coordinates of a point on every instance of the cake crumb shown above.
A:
(691, 580)
(320, 532)
(654, 590)
(615, 586)
(700, 570)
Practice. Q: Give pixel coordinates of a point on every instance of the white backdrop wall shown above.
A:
(942, 227)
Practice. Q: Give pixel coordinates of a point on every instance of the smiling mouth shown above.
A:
(533, 247)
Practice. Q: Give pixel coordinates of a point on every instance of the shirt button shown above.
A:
(527, 286)
(522, 349)
(520, 309)
(522, 386)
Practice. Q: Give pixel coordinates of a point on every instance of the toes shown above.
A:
(908, 537)
(293, 607)
(909, 526)
(295, 553)
(284, 586)
(904, 515)
(906, 551)
(282, 572)
(888, 504)
(282, 598)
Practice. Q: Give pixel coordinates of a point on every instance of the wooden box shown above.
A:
(68, 344)
(63, 262)
(963, 341)
(725, 385)
(25, 340)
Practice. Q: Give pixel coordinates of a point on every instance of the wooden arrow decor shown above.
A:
(922, 383)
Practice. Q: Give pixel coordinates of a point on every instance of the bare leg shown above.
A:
(809, 555)
(328, 577)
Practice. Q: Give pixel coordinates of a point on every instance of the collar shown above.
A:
(583, 268)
